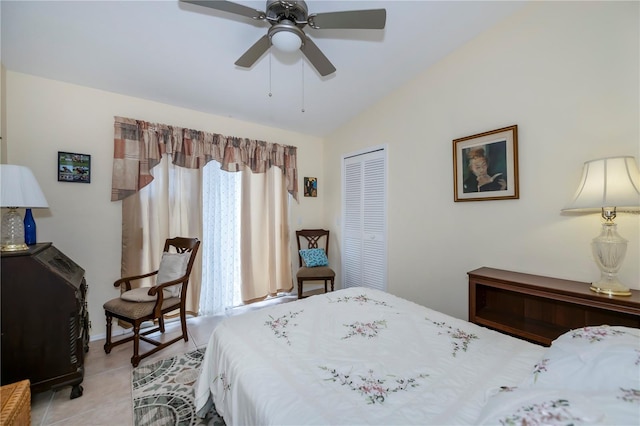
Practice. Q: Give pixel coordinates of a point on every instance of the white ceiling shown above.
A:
(183, 54)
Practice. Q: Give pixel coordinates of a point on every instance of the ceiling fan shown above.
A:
(287, 19)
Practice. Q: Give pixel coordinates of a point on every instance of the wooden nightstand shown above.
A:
(540, 309)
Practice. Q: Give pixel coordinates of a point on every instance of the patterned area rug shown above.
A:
(163, 392)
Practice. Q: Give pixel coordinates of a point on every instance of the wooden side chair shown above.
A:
(136, 306)
(313, 249)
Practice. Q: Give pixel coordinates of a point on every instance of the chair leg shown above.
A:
(299, 289)
(161, 323)
(331, 284)
(135, 359)
(325, 286)
(107, 345)
(183, 321)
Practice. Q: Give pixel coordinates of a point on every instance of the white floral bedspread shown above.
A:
(356, 356)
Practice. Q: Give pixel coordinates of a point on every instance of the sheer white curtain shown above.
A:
(221, 196)
(245, 248)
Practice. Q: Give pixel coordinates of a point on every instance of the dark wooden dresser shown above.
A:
(540, 309)
(45, 322)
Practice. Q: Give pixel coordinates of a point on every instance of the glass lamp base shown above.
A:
(14, 247)
(12, 232)
(610, 290)
(609, 250)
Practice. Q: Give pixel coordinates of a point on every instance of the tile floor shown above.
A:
(106, 399)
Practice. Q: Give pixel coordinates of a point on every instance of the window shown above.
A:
(221, 193)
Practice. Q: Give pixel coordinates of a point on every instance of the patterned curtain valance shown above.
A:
(138, 146)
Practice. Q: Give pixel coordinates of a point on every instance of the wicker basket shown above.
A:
(16, 404)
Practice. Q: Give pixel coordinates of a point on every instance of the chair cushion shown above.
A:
(318, 272)
(314, 257)
(172, 267)
(137, 310)
(141, 295)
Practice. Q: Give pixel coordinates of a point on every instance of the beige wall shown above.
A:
(46, 116)
(567, 75)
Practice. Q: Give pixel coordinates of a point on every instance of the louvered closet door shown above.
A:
(364, 258)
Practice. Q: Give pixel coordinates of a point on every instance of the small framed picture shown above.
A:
(310, 187)
(74, 167)
(485, 166)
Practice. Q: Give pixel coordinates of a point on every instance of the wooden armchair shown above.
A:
(136, 306)
(319, 270)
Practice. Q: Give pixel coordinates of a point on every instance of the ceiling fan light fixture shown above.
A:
(287, 19)
(285, 36)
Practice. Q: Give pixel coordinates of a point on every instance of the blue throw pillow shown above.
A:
(314, 257)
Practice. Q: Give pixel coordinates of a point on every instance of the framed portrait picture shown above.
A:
(485, 166)
(310, 187)
(74, 167)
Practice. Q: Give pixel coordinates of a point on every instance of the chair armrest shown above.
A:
(162, 286)
(127, 280)
(157, 291)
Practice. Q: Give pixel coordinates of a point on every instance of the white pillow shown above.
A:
(140, 295)
(591, 358)
(589, 375)
(172, 267)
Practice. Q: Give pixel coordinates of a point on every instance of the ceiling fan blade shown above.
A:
(372, 19)
(228, 6)
(255, 52)
(316, 57)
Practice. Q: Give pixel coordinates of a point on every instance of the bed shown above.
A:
(362, 356)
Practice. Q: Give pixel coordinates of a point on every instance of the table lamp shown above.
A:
(18, 188)
(609, 186)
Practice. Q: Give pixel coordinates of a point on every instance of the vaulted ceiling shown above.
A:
(183, 54)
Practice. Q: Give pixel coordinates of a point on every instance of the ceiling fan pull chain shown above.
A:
(302, 64)
(270, 94)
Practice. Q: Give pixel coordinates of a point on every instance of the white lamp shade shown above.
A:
(608, 182)
(19, 188)
(286, 41)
